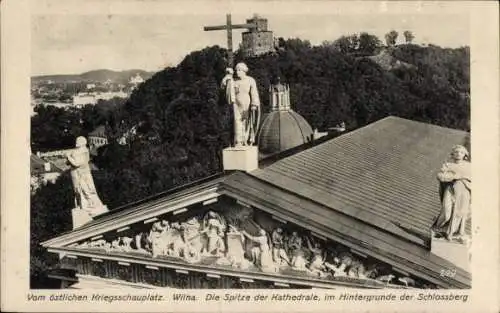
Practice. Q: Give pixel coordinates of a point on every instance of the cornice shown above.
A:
(182, 266)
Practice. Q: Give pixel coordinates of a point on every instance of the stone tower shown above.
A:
(258, 40)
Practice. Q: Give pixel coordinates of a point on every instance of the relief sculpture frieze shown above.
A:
(243, 239)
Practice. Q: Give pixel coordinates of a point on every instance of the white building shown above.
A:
(42, 172)
(84, 98)
(136, 81)
(97, 138)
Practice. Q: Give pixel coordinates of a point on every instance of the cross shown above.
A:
(229, 29)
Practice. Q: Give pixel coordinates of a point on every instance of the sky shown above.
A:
(77, 41)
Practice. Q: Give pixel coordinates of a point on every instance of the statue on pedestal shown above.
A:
(243, 95)
(86, 197)
(455, 192)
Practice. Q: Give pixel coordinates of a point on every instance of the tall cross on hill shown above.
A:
(229, 29)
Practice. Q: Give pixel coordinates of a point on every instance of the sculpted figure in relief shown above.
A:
(279, 253)
(156, 238)
(235, 249)
(126, 244)
(86, 197)
(193, 242)
(357, 269)
(317, 259)
(262, 254)
(214, 227)
(298, 261)
(455, 192)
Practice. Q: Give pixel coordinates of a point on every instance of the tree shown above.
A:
(346, 44)
(391, 37)
(368, 44)
(408, 36)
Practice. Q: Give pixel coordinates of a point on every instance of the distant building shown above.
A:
(97, 138)
(136, 81)
(259, 40)
(110, 95)
(42, 172)
(84, 98)
(127, 136)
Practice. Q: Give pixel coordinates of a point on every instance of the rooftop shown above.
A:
(383, 174)
(373, 189)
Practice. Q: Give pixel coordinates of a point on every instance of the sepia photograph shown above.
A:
(278, 153)
(253, 148)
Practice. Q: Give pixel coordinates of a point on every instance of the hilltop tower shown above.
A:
(258, 40)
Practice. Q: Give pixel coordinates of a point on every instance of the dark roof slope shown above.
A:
(394, 250)
(383, 174)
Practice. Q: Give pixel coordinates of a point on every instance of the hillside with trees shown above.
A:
(183, 122)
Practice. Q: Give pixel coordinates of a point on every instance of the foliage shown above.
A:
(346, 44)
(368, 44)
(391, 37)
(408, 36)
(54, 128)
(50, 214)
(362, 45)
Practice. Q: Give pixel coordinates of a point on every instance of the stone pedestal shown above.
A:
(456, 252)
(99, 210)
(81, 217)
(244, 158)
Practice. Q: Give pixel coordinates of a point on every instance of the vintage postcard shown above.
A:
(250, 156)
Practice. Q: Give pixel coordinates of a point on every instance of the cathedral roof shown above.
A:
(383, 173)
(373, 189)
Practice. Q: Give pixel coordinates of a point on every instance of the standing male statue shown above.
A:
(243, 95)
(86, 197)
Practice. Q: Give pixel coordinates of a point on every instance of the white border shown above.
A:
(15, 85)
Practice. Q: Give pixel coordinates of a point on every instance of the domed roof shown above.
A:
(282, 130)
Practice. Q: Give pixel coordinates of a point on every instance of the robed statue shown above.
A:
(243, 96)
(455, 193)
(86, 197)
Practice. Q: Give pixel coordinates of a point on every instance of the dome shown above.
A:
(282, 130)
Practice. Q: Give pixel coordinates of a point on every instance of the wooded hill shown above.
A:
(326, 87)
(183, 122)
(101, 75)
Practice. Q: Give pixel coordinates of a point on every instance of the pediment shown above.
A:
(224, 233)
